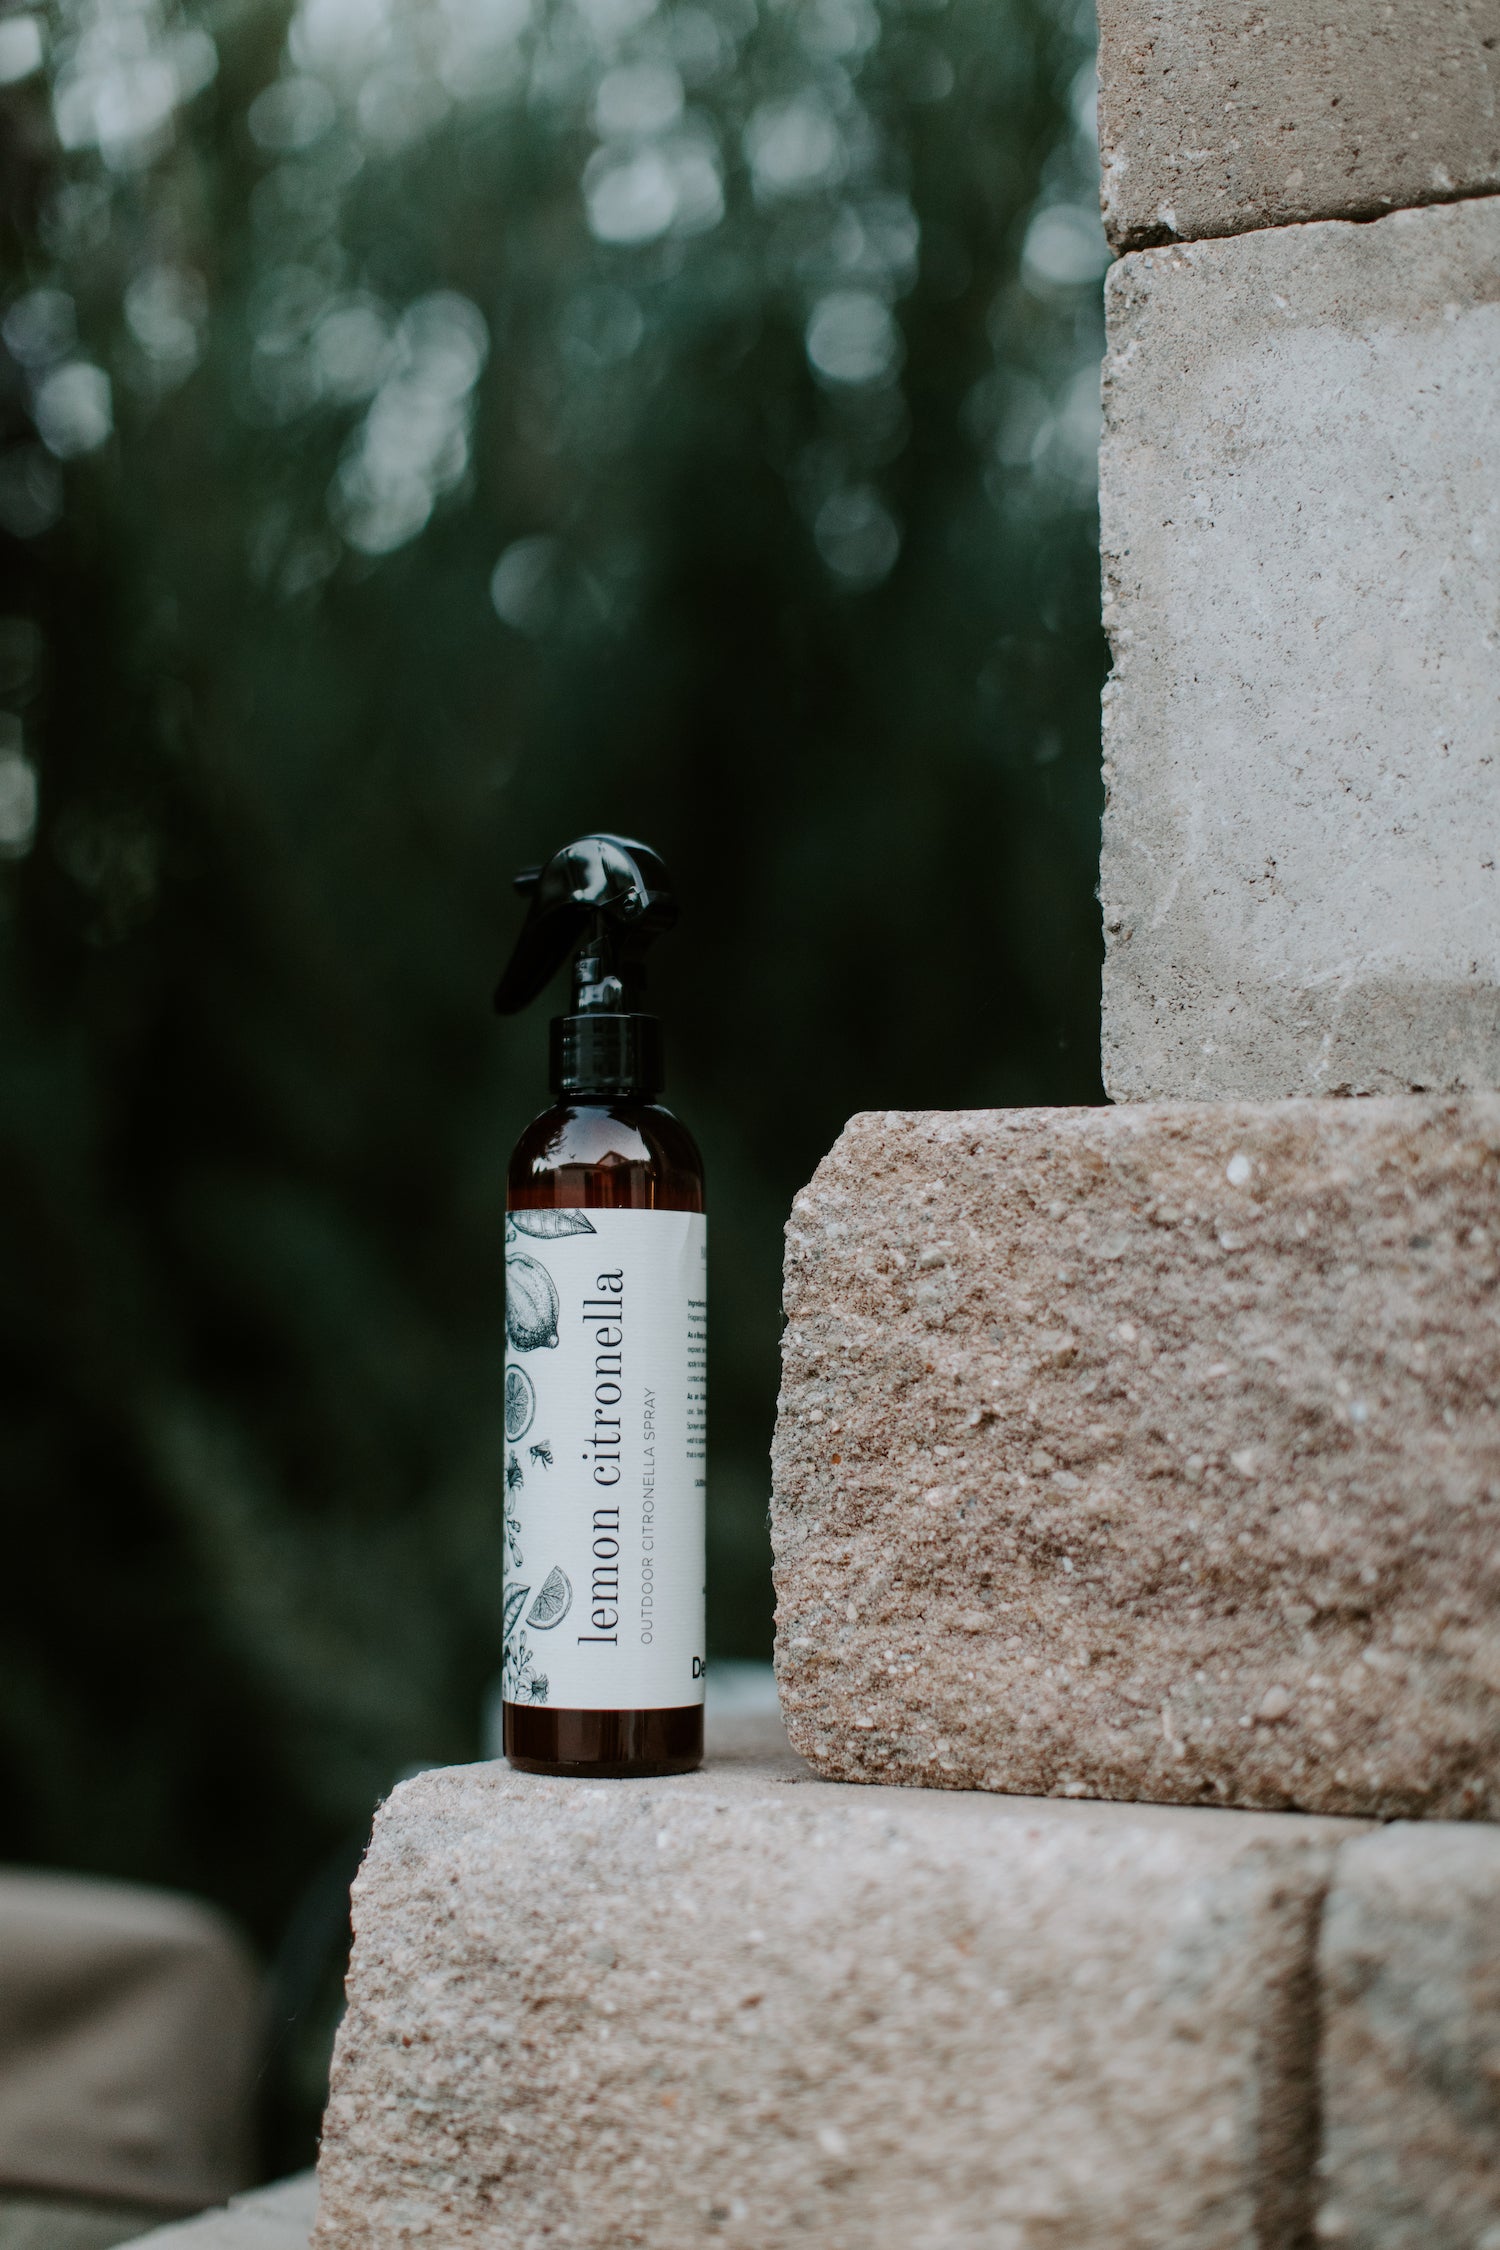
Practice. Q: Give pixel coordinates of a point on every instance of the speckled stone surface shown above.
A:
(1410, 1966)
(278, 2217)
(1299, 492)
(746, 2007)
(1149, 1453)
(1216, 116)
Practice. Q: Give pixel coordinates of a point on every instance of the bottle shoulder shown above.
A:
(633, 1155)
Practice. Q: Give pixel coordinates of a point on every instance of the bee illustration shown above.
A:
(542, 1453)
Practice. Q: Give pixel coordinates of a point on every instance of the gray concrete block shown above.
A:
(65, 2222)
(1148, 1453)
(748, 2007)
(1410, 1968)
(279, 2217)
(1216, 116)
(1300, 502)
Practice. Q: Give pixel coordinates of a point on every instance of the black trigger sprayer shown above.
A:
(608, 897)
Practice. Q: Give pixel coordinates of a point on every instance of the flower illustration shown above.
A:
(521, 1682)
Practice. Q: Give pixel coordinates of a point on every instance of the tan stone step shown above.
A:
(1410, 1995)
(1149, 1453)
(749, 2007)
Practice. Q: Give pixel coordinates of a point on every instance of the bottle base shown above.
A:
(604, 1745)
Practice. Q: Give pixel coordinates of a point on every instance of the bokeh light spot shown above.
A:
(612, 21)
(638, 98)
(351, 348)
(18, 791)
(1065, 247)
(40, 327)
(793, 147)
(630, 198)
(852, 338)
(294, 113)
(600, 327)
(73, 409)
(165, 309)
(857, 537)
(524, 585)
(839, 27)
(21, 48)
(31, 491)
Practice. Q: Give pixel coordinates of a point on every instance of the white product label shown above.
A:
(605, 1458)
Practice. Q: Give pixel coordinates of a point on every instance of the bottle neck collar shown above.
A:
(607, 1054)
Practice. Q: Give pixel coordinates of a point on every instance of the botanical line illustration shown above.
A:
(532, 1307)
(547, 1226)
(520, 1403)
(521, 1682)
(553, 1602)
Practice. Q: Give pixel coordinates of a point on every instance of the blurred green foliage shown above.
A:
(430, 428)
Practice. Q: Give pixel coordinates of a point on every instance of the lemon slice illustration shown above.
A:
(554, 1600)
(520, 1403)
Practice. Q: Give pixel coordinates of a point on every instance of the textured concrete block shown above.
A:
(1216, 116)
(746, 2007)
(1148, 1453)
(1410, 1966)
(279, 2217)
(1300, 496)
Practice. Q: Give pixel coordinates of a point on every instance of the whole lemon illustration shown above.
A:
(531, 1305)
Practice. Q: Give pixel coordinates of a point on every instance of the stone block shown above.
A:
(278, 2217)
(1300, 501)
(1217, 116)
(1148, 1453)
(746, 2007)
(1410, 1970)
(130, 2033)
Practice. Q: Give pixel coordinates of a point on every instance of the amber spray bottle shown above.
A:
(605, 1365)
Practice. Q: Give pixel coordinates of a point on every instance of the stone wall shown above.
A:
(753, 2008)
(1146, 1453)
(1300, 500)
(1222, 116)
(1300, 495)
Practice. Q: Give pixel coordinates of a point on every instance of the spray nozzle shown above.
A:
(606, 898)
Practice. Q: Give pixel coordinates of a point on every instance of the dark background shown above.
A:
(806, 599)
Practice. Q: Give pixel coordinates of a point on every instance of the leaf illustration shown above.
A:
(550, 1224)
(515, 1602)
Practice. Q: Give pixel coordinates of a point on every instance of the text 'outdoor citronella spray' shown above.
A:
(605, 1365)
